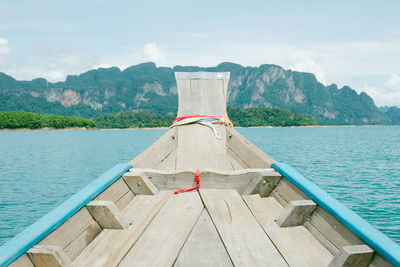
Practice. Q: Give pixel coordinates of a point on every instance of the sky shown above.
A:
(354, 43)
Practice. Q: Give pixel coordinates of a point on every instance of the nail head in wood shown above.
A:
(107, 215)
(263, 184)
(46, 255)
(140, 184)
(352, 256)
(297, 212)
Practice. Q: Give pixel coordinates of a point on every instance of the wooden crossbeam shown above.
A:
(296, 213)
(140, 184)
(45, 255)
(107, 215)
(352, 256)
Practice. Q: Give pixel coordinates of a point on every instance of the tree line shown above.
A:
(29, 120)
(243, 117)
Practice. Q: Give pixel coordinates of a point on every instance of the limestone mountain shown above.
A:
(146, 86)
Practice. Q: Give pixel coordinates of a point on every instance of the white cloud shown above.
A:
(388, 93)
(153, 53)
(4, 47)
(54, 75)
(393, 82)
(306, 63)
(98, 66)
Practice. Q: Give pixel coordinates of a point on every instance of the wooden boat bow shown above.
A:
(249, 210)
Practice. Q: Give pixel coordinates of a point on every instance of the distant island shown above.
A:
(147, 87)
(241, 117)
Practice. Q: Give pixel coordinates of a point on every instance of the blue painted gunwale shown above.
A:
(45, 225)
(371, 236)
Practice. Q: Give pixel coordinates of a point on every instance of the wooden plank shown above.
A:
(236, 164)
(82, 241)
(125, 199)
(352, 256)
(201, 96)
(139, 183)
(203, 246)
(210, 178)
(333, 230)
(297, 212)
(164, 237)
(46, 256)
(70, 230)
(285, 192)
(157, 152)
(235, 158)
(199, 148)
(321, 238)
(140, 212)
(244, 239)
(379, 261)
(114, 192)
(246, 151)
(106, 214)
(144, 206)
(297, 245)
(22, 261)
(169, 163)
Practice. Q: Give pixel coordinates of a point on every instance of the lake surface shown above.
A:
(360, 166)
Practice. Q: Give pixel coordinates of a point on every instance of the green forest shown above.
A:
(242, 117)
(29, 120)
(248, 117)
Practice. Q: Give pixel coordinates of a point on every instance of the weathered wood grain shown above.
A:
(199, 148)
(125, 199)
(298, 246)
(244, 239)
(352, 256)
(139, 213)
(160, 244)
(80, 227)
(240, 180)
(262, 184)
(201, 96)
(82, 241)
(236, 164)
(115, 192)
(235, 158)
(285, 192)
(22, 261)
(333, 230)
(157, 152)
(203, 246)
(379, 261)
(321, 238)
(106, 214)
(246, 151)
(48, 256)
(297, 212)
(139, 183)
(169, 163)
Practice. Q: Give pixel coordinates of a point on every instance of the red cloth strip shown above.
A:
(192, 116)
(196, 179)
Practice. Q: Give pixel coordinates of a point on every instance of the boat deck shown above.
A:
(212, 227)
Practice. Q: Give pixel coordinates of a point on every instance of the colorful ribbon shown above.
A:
(206, 120)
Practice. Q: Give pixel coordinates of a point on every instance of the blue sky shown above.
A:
(354, 43)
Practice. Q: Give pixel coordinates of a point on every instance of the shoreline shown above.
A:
(46, 129)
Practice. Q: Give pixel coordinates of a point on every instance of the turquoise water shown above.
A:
(360, 166)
